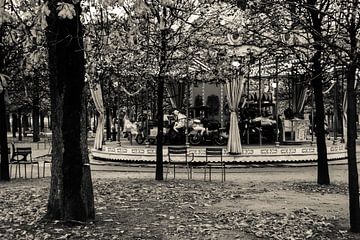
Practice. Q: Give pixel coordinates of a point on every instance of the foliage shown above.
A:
(25, 61)
(181, 209)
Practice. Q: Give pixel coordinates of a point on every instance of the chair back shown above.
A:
(177, 154)
(214, 152)
(177, 150)
(24, 151)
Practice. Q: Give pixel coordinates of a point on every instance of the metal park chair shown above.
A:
(214, 152)
(180, 156)
(23, 156)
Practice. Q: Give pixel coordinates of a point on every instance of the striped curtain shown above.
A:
(176, 91)
(234, 88)
(96, 95)
(300, 98)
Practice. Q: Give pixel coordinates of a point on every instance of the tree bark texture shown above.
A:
(71, 192)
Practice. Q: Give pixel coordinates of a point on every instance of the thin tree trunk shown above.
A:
(107, 125)
(19, 124)
(323, 169)
(160, 135)
(8, 128)
(4, 165)
(25, 123)
(42, 122)
(35, 119)
(71, 193)
(4, 160)
(14, 125)
(159, 175)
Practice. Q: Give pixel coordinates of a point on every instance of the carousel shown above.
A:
(262, 115)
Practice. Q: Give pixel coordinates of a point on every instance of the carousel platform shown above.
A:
(250, 153)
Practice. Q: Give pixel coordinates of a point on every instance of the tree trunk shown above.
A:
(8, 129)
(323, 169)
(4, 159)
(71, 194)
(14, 124)
(35, 119)
(19, 124)
(316, 31)
(160, 135)
(159, 175)
(4, 165)
(107, 124)
(351, 150)
(25, 123)
(42, 122)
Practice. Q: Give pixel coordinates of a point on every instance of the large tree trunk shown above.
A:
(35, 119)
(351, 150)
(71, 193)
(4, 165)
(353, 176)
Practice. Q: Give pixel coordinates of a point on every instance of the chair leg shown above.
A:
(44, 169)
(32, 166)
(167, 170)
(174, 171)
(38, 170)
(25, 170)
(10, 168)
(210, 173)
(224, 173)
(17, 166)
(188, 170)
(205, 172)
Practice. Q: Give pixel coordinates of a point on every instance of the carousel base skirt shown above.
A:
(249, 154)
